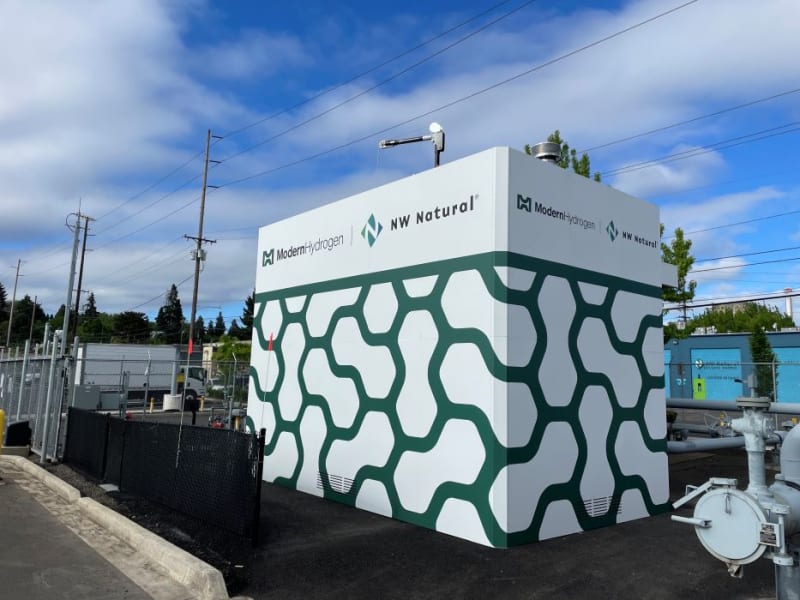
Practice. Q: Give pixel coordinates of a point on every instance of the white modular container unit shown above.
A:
(476, 349)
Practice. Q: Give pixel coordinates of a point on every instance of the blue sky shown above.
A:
(101, 101)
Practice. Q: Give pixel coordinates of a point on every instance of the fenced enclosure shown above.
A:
(211, 474)
(731, 379)
(33, 390)
(38, 386)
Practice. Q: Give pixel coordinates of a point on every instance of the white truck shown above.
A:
(141, 371)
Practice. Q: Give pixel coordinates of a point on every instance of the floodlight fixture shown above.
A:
(436, 136)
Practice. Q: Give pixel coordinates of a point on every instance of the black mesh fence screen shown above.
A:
(114, 450)
(210, 474)
(86, 441)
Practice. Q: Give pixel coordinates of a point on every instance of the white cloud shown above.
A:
(101, 100)
(254, 54)
(672, 176)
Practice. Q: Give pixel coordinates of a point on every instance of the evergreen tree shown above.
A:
(170, 319)
(219, 327)
(131, 328)
(90, 308)
(678, 253)
(247, 314)
(200, 332)
(24, 311)
(236, 332)
(763, 357)
(569, 157)
(3, 304)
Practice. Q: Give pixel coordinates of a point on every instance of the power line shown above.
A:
(697, 260)
(692, 120)
(368, 71)
(467, 97)
(154, 184)
(707, 302)
(763, 262)
(381, 83)
(745, 222)
(154, 298)
(721, 145)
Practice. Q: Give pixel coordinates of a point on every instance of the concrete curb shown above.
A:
(203, 579)
(60, 487)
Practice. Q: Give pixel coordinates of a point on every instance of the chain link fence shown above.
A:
(728, 380)
(33, 389)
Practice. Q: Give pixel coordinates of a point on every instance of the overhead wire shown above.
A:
(462, 99)
(368, 71)
(383, 82)
(690, 121)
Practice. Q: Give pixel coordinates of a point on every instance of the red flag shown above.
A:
(190, 347)
(269, 347)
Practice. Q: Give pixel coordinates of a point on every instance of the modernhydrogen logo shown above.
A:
(371, 230)
(268, 257)
(612, 231)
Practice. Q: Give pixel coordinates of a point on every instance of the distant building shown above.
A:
(716, 366)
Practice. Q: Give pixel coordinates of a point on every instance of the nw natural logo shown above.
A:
(612, 231)
(523, 203)
(268, 257)
(371, 230)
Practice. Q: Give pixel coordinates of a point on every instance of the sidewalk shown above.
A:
(53, 546)
(41, 558)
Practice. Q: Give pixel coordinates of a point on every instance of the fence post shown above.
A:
(262, 437)
(105, 445)
(774, 383)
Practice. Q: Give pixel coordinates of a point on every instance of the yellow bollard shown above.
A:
(152, 401)
(202, 402)
(2, 427)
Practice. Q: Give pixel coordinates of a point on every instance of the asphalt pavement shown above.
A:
(318, 549)
(314, 549)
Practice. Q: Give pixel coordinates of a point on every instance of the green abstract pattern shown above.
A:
(482, 471)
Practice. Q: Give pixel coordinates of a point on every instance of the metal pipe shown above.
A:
(783, 408)
(790, 456)
(703, 444)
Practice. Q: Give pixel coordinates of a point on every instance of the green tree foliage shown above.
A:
(678, 253)
(57, 320)
(233, 360)
(763, 357)
(131, 328)
(3, 304)
(247, 314)
(216, 329)
(93, 325)
(24, 312)
(90, 308)
(169, 320)
(229, 346)
(236, 332)
(200, 332)
(738, 319)
(569, 157)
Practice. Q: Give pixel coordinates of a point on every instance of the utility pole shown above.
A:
(68, 305)
(33, 318)
(199, 254)
(13, 299)
(80, 273)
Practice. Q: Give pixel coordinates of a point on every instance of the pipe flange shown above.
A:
(745, 402)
